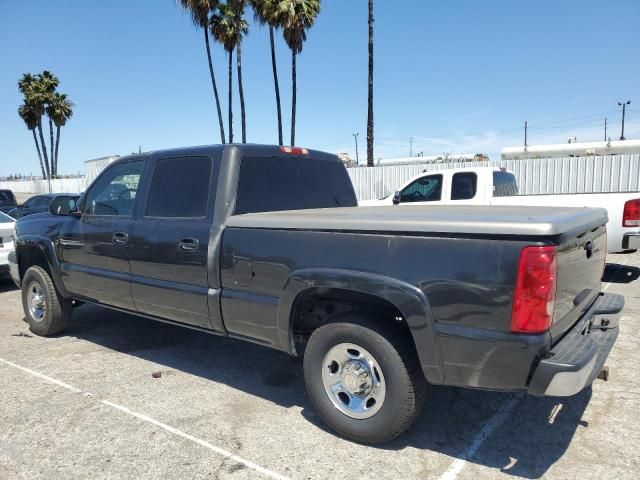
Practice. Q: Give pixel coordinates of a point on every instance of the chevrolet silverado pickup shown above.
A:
(267, 244)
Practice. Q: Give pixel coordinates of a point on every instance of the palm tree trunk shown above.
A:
(53, 163)
(35, 139)
(241, 91)
(293, 97)
(213, 83)
(44, 150)
(275, 84)
(231, 96)
(57, 145)
(370, 92)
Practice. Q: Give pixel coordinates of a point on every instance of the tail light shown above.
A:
(631, 213)
(535, 293)
(294, 150)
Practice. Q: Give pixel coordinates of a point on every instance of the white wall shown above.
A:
(58, 185)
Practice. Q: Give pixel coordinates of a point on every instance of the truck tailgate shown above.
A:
(581, 260)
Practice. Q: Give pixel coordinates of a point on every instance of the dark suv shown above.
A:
(7, 201)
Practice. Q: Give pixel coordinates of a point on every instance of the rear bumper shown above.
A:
(631, 241)
(578, 358)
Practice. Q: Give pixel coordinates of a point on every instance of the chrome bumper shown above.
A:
(576, 360)
(631, 241)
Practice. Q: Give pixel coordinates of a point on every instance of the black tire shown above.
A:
(393, 350)
(57, 312)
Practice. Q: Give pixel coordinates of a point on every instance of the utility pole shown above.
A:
(525, 135)
(411, 147)
(605, 129)
(355, 137)
(624, 108)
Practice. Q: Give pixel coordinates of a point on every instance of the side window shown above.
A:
(504, 184)
(29, 203)
(41, 202)
(114, 194)
(463, 186)
(180, 188)
(424, 189)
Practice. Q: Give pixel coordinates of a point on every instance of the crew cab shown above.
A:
(498, 186)
(267, 244)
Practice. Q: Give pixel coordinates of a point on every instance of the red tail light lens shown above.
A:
(631, 214)
(294, 150)
(535, 293)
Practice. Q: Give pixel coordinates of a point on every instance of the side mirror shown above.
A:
(63, 205)
(396, 198)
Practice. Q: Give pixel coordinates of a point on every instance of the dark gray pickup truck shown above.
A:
(267, 244)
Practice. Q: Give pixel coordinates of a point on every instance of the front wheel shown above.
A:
(46, 311)
(364, 378)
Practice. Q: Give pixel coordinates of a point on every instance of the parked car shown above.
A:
(497, 186)
(267, 244)
(7, 201)
(6, 241)
(37, 204)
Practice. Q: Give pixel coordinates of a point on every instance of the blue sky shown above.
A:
(457, 76)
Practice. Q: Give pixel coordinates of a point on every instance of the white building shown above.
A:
(572, 149)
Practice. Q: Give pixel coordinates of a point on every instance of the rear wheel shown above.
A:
(46, 311)
(364, 378)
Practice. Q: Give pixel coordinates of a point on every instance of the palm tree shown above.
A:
(227, 30)
(370, 91)
(265, 14)
(35, 97)
(48, 83)
(30, 118)
(296, 17)
(200, 11)
(59, 110)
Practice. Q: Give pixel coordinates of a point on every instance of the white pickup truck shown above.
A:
(497, 186)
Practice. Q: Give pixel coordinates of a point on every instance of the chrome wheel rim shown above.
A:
(353, 380)
(36, 301)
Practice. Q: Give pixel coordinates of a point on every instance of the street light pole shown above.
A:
(355, 137)
(624, 108)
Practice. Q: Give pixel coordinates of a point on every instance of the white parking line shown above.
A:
(494, 422)
(220, 451)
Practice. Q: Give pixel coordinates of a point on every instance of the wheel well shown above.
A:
(30, 256)
(318, 306)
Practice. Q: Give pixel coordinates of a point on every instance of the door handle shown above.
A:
(120, 238)
(189, 244)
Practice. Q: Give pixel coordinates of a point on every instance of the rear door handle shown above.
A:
(189, 244)
(120, 238)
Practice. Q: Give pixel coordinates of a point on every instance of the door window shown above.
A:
(40, 202)
(423, 189)
(180, 188)
(114, 194)
(463, 186)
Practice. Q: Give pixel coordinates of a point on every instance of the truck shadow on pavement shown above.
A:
(6, 284)
(617, 273)
(534, 435)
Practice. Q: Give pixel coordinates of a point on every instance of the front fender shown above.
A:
(48, 249)
(407, 298)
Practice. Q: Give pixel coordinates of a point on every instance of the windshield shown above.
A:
(5, 218)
